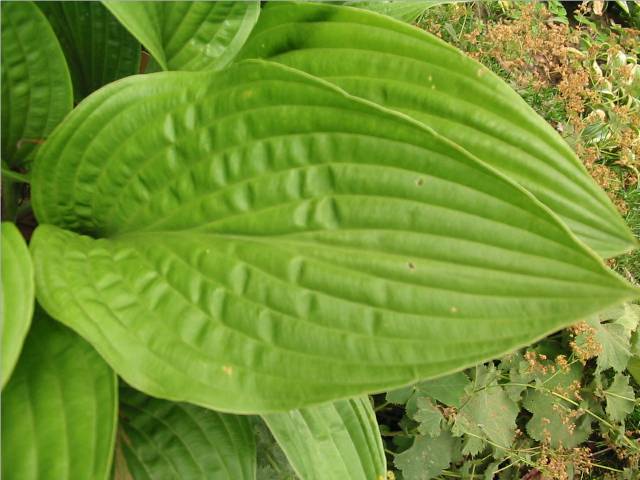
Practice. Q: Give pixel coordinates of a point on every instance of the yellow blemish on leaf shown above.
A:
(228, 370)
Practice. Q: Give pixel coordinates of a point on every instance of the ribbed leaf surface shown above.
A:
(17, 296)
(404, 10)
(58, 409)
(36, 87)
(270, 242)
(406, 69)
(97, 47)
(333, 441)
(196, 35)
(166, 440)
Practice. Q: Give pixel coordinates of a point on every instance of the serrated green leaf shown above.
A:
(409, 70)
(97, 47)
(519, 376)
(615, 340)
(298, 245)
(58, 409)
(429, 418)
(555, 420)
(161, 439)
(449, 389)
(427, 457)
(272, 461)
(196, 35)
(332, 441)
(18, 290)
(400, 396)
(36, 87)
(620, 398)
(490, 410)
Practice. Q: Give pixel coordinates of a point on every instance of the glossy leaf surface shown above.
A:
(17, 296)
(167, 440)
(196, 35)
(404, 68)
(36, 87)
(97, 47)
(268, 242)
(333, 441)
(58, 409)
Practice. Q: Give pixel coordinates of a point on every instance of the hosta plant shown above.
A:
(311, 203)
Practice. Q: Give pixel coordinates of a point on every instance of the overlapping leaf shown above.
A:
(58, 409)
(406, 69)
(555, 421)
(36, 87)
(333, 441)
(97, 47)
(269, 242)
(17, 296)
(162, 439)
(427, 457)
(196, 35)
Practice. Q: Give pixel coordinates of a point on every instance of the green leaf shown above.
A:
(189, 35)
(298, 245)
(449, 389)
(36, 87)
(406, 11)
(613, 333)
(489, 409)
(272, 461)
(97, 47)
(400, 396)
(634, 368)
(427, 457)
(161, 439)
(556, 421)
(332, 441)
(429, 417)
(18, 292)
(58, 409)
(404, 68)
(620, 398)
(403, 10)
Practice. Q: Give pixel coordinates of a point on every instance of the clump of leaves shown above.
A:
(315, 203)
(561, 408)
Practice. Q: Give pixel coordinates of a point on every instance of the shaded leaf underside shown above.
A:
(162, 439)
(97, 47)
(36, 87)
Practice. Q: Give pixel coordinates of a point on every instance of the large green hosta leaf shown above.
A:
(406, 69)
(333, 441)
(98, 48)
(270, 242)
(165, 440)
(189, 35)
(17, 296)
(58, 409)
(36, 87)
